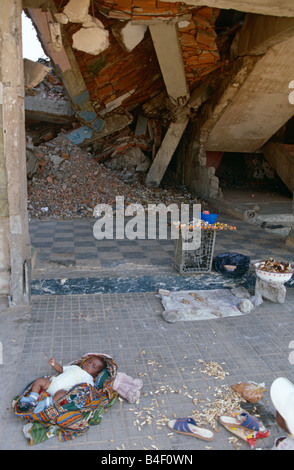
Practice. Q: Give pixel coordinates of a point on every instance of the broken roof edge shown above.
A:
(98, 124)
(64, 63)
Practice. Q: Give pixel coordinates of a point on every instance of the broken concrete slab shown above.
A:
(260, 107)
(43, 108)
(270, 291)
(113, 123)
(34, 73)
(165, 153)
(129, 35)
(92, 38)
(77, 10)
(133, 157)
(66, 64)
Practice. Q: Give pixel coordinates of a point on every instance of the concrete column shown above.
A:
(169, 55)
(165, 153)
(14, 233)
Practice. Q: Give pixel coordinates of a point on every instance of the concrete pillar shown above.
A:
(14, 233)
(166, 43)
(165, 153)
(169, 55)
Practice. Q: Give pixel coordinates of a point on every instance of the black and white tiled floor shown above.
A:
(70, 260)
(72, 243)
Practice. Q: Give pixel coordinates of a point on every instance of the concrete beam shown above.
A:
(66, 67)
(166, 43)
(281, 161)
(85, 135)
(259, 33)
(165, 153)
(46, 110)
(260, 106)
(262, 7)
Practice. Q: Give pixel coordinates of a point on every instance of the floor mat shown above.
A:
(198, 305)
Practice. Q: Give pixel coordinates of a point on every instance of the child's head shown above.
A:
(93, 365)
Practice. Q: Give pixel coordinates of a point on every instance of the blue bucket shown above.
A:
(210, 218)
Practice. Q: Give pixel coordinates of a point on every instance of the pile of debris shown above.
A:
(66, 181)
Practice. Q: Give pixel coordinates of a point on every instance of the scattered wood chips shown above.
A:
(225, 401)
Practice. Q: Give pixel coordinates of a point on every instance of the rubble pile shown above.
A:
(125, 152)
(67, 182)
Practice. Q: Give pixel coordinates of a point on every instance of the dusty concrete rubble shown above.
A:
(156, 87)
(126, 70)
(67, 182)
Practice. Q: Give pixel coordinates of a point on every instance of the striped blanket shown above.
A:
(75, 412)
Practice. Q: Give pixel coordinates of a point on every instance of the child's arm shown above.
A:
(55, 366)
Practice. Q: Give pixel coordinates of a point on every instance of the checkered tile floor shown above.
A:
(71, 243)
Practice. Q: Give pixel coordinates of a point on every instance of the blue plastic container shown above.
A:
(210, 218)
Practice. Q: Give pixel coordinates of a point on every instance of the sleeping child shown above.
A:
(68, 377)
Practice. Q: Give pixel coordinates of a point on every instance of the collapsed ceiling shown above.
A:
(119, 61)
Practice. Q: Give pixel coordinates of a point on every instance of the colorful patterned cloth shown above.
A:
(75, 412)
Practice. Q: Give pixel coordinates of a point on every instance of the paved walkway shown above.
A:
(129, 326)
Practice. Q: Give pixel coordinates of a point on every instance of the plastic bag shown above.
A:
(224, 262)
(251, 391)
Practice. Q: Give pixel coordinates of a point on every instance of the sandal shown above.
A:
(188, 427)
(242, 420)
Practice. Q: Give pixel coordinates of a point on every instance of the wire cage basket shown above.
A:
(189, 261)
